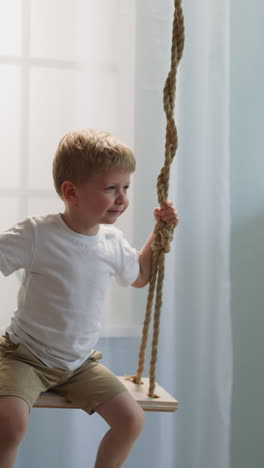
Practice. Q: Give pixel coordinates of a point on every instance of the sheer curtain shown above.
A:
(75, 63)
(199, 306)
(195, 361)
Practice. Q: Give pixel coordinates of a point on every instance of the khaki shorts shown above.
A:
(23, 375)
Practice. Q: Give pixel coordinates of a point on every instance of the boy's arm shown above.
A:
(168, 214)
(145, 259)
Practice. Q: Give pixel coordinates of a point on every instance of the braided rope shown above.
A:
(163, 233)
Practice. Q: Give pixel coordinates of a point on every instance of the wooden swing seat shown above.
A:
(165, 402)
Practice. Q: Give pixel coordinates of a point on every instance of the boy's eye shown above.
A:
(112, 188)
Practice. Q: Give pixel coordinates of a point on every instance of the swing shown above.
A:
(142, 388)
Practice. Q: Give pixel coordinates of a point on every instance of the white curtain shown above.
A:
(197, 303)
(195, 358)
(103, 64)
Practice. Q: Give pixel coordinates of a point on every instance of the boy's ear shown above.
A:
(68, 190)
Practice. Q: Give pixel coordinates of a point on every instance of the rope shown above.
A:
(163, 233)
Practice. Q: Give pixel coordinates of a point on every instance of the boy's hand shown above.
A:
(167, 213)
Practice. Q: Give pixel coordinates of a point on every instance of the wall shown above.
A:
(247, 253)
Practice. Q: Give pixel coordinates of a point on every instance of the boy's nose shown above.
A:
(121, 197)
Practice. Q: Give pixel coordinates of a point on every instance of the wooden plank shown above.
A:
(165, 402)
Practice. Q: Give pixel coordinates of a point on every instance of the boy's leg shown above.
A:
(125, 418)
(22, 378)
(14, 414)
(93, 387)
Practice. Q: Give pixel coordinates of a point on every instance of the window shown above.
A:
(64, 64)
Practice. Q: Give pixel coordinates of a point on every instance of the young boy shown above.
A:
(68, 260)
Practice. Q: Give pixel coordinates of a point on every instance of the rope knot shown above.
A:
(163, 235)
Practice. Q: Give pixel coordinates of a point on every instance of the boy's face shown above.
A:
(104, 198)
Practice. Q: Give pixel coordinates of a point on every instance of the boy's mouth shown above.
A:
(114, 211)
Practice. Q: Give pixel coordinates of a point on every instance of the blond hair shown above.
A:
(82, 154)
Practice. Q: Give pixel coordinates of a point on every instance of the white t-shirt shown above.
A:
(66, 276)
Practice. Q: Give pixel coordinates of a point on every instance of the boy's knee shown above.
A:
(13, 422)
(124, 415)
(140, 421)
(12, 431)
(135, 422)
